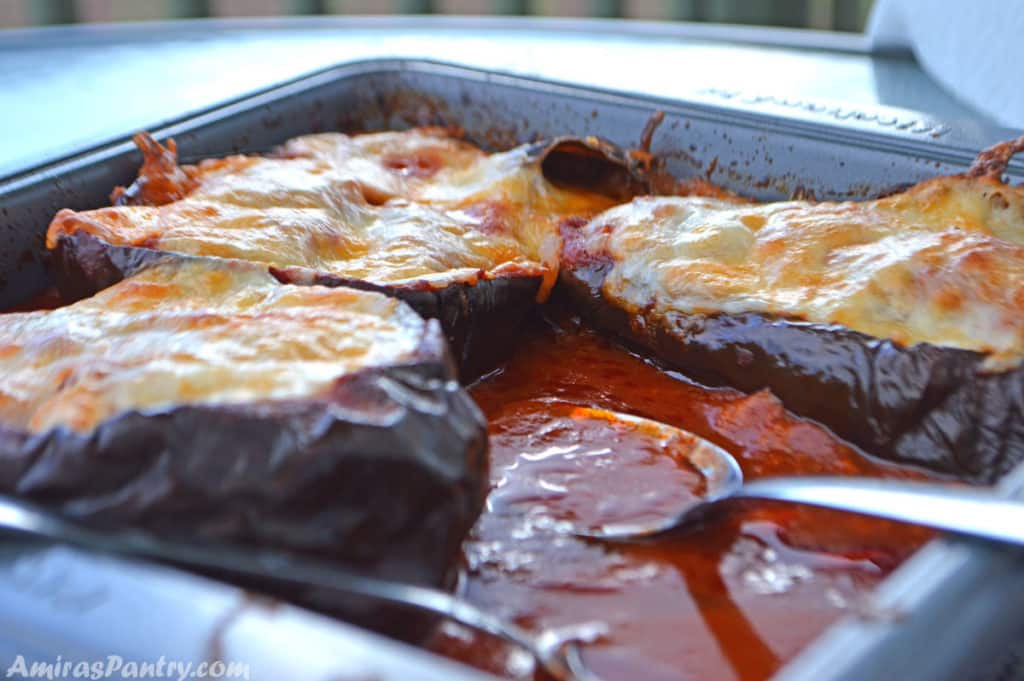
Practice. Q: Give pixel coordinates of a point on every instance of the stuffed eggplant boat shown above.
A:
(208, 401)
(463, 236)
(895, 322)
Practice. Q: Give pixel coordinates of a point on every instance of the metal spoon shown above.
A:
(971, 512)
(556, 651)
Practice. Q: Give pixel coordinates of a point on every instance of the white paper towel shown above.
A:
(973, 48)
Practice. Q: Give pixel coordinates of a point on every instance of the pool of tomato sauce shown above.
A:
(735, 598)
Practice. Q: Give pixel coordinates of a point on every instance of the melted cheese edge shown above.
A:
(189, 333)
(389, 208)
(942, 263)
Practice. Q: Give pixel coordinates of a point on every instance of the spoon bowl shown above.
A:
(965, 511)
(720, 474)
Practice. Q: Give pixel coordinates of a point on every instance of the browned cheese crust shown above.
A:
(895, 322)
(463, 236)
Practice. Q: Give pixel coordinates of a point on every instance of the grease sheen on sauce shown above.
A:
(570, 457)
(734, 599)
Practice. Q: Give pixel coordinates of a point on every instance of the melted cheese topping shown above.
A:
(189, 333)
(941, 263)
(389, 208)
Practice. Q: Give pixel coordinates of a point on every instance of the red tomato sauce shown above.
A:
(735, 598)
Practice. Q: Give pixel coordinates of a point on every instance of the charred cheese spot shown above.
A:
(492, 216)
(420, 164)
(940, 263)
(191, 333)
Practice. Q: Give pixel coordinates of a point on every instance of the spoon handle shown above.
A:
(284, 569)
(977, 513)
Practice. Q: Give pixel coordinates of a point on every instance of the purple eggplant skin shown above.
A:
(385, 474)
(596, 165)
(479, 318)
(924, 405)
(82, 265)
